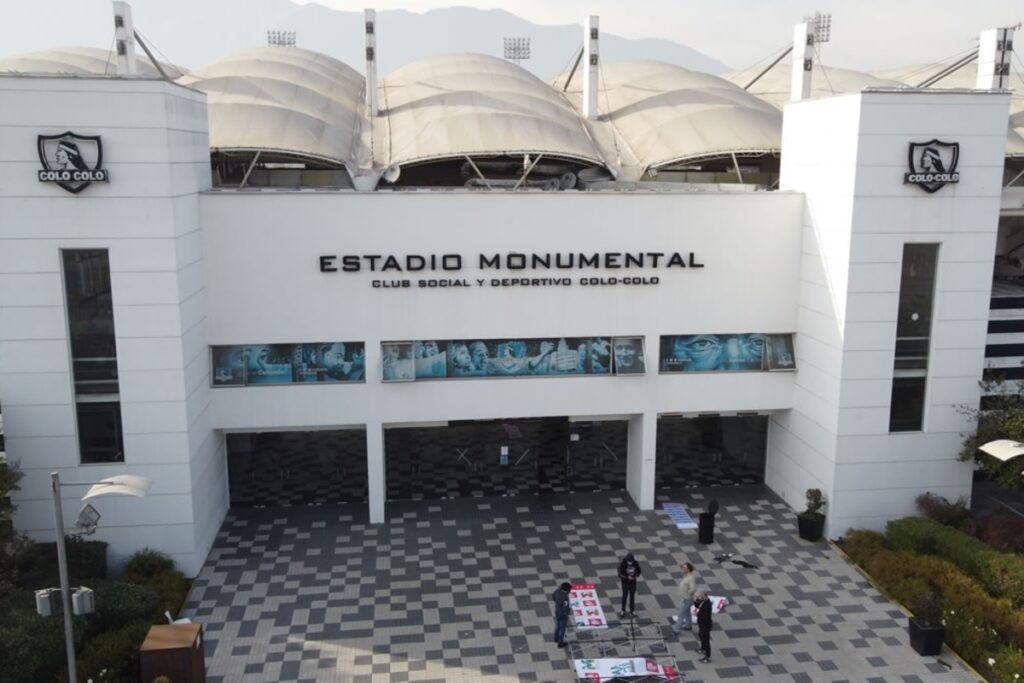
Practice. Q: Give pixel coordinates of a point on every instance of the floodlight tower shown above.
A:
(813, 31)
(517, 49)
(281, 38)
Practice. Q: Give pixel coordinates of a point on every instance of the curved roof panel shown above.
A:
(967, 77)
(80, 61)
(776, 85)
(667, 114)
(453, 105)
(286, 100)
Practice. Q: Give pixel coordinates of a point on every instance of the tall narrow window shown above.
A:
(93, 354)
(913, 337)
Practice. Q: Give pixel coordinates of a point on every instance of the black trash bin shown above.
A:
(706, 528)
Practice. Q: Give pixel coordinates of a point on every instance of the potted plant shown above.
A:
(926, 628)
(811, 522)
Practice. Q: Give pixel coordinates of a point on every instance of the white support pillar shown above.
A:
(590, 68)
(124, 39)
(803, 61)
(995, 46)
(370, 21)
(376, 485)
(640, 459)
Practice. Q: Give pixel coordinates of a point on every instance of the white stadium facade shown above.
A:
(275, 280)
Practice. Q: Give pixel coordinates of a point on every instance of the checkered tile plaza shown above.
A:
(459, 590)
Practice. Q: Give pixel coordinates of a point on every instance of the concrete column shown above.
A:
(376, 485)
(370, 20)
(124, 39)
(640, 459)
(803, 61)
(995, 47)
(591, 61)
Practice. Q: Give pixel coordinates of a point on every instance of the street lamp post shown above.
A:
(121, 484)
(62, 564)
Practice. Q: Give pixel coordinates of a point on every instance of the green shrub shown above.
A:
(119, 604)
(979, 626)
(110, 656)
(31, 646)
(1009, 665)
(37, 565)
(1001, 574)
(146, 564)
(1003, 531)
(942, 511)
(154, 569)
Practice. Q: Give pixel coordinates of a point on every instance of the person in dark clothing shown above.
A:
(562, 611)
(703, 605)
(629, 572)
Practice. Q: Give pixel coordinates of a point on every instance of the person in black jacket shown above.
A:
(562, 611)
(703, 605)
(629, 572)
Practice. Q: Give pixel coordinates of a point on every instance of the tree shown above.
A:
(1002, 417)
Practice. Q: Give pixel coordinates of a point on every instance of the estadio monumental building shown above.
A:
(275, 280)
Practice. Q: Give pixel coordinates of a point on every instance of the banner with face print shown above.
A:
(746, 352)
(268, 364)
(459, 358)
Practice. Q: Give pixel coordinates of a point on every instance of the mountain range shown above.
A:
(194, 32)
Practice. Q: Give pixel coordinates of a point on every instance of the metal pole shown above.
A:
(768, 68)
(65, 590)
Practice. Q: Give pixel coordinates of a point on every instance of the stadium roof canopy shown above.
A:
(774, 87)
(300, 103)
(663, 114)
(469, 104)
(79, 61)
(289, 101)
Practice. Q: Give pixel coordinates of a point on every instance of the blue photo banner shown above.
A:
(264, 364)
(457, 358)
(746, 352)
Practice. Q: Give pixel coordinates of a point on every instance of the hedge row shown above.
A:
(106, 641)
(37, 565)
(1002, 574)
(978, 626)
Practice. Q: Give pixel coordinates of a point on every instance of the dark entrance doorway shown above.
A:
(710, 451)
(273, 469)
(504, 458)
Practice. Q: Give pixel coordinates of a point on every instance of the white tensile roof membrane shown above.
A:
(287, 100)
(80, 61)
(775, 87)
(468, 104)
(666, 114)
(966, 77)
(651, 114)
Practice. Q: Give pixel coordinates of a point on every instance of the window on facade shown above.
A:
(913, 337)
(90, 313)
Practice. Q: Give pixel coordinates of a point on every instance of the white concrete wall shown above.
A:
(849, 155)
(264, 282)
(155, 147)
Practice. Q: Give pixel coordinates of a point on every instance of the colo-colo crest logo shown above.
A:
(71, 160)
(933, 164)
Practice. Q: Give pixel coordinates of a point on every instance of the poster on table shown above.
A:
(628, 355)
(254, 364)
(585, 604)
(718, 603)
(609, 669)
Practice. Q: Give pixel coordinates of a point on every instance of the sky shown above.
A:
(866, 34)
